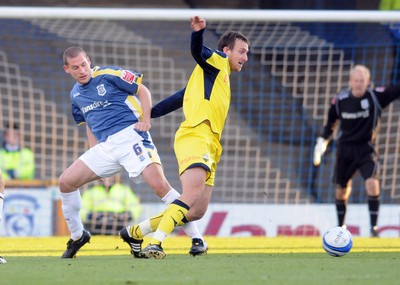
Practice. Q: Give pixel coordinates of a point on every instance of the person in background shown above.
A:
(16, 162)
(2, 185)
(359, 111)
(108, 206)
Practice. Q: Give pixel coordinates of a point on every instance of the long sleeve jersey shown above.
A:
(207, 94)
(359, 116)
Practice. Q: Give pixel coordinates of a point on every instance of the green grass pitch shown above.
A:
(280, 260)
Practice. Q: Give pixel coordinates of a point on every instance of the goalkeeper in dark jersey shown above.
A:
(359, 111)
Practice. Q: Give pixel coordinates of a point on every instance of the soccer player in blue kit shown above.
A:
(116, 108)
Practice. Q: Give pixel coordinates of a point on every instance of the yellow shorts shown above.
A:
(198, 146)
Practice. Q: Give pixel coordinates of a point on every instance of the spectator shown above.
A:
(108, 206)
(16, 162)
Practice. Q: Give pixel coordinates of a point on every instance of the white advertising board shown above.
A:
(289, 220)
(27, 212)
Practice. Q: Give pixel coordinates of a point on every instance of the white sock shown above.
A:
(189, 228)
(145, 227)
(71, 205)
(171, 196)
(160, 235)
(1, 205)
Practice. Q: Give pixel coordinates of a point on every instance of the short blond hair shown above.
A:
(363, 69)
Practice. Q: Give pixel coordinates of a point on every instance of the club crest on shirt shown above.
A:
(365, 104)
(128, 76)
(101, 90)
(226, 79)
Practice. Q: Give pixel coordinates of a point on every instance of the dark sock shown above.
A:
(373, 207)
(341, 211)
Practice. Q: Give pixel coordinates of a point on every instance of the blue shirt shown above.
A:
(107, 102)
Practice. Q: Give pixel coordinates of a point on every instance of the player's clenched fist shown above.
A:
(197, 23)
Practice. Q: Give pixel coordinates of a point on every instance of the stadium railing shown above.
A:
(279, 101)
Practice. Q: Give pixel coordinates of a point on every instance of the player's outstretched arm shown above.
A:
(169, 104)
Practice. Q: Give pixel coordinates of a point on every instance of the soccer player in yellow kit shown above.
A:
(205, 101)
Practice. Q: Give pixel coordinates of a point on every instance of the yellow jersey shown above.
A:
(207, 95)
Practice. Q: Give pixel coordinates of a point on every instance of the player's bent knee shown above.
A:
(65, 184)
(62, 184)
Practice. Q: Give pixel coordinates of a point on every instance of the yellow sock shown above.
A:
(155, 221)
(145, 227)
(135, 232)
(173, 217)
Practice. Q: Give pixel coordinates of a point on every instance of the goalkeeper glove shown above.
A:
(319, 150)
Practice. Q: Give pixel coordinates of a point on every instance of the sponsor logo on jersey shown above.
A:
(95, 105)
(128, 76)
(357, 115)
(101, 90)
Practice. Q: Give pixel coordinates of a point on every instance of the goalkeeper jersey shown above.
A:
(359, 116)
(107, 103)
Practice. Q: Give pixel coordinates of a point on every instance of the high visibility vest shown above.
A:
(17, 164)
(393, 27)
(119, 199)
(389, 5)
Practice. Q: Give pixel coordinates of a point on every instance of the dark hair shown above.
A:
(229, 38)
(72, 52)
